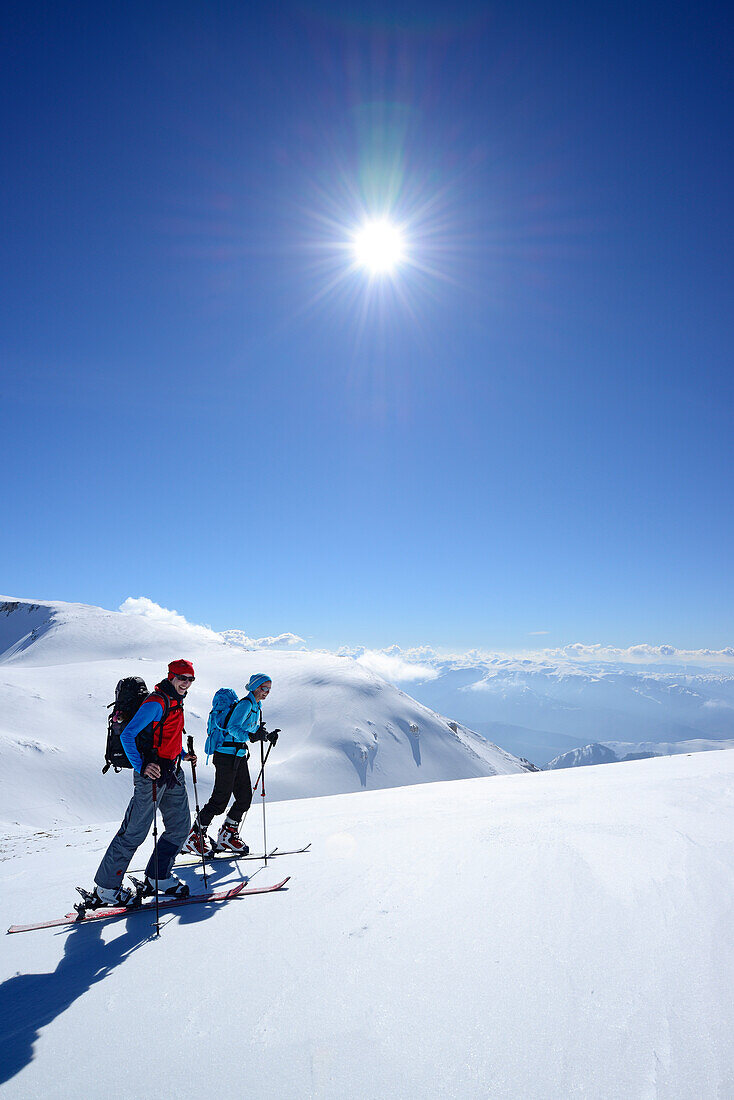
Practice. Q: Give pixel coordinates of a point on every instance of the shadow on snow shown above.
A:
(30, 1002)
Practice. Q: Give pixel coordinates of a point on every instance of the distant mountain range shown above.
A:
(614, 752)
(542, 706)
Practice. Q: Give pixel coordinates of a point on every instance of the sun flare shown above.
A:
(379, 247)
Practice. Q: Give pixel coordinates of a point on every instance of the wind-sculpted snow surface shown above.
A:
(344, 728)
(527, 937)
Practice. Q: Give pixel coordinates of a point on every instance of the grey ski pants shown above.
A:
(173, 805)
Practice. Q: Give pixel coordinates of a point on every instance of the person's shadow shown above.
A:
(29, 1002)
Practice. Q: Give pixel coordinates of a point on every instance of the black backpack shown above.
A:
(130, 694)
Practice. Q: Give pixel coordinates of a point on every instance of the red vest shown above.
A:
(168, 739)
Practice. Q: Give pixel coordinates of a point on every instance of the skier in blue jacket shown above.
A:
(230, 758)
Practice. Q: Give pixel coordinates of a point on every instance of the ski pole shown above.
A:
(155, 854)
(254, 788)
(190, 750)
(261, 776)
(263, 758)
(267, 754)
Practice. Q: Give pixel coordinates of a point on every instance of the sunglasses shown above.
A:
(186, 679)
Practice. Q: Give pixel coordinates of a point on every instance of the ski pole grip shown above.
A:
(189, 744)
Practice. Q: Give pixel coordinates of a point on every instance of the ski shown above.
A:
(108, 913)
(189, 859)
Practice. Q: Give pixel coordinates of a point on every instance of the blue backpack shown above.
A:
(223, 703)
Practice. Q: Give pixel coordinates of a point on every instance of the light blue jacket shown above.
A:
(245, 720)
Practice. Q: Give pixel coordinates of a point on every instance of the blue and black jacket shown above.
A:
(244, 721)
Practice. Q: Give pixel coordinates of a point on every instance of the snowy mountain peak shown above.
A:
(46, 633)
(345, 728)
(613, 752)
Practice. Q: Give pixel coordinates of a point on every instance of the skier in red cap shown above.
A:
(153, 742)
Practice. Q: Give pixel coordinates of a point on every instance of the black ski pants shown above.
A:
(232, 778)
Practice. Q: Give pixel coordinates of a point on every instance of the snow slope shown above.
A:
(46, 633)
(344, 727)
(544, 936)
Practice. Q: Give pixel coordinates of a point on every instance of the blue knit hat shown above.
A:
(257, 680)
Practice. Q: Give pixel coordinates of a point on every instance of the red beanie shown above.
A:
(180, 668)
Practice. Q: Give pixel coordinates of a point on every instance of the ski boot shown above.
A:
(229, 839)
(170, 887)
(103, 897)
(198, 843)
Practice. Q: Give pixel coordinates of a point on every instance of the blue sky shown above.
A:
(526, 428)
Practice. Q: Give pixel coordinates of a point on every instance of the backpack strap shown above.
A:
(160, 697)
(236, 745)
(230, 712)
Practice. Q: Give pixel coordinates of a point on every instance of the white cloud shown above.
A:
(510, 672)
(423, 662)
(641, 653)
(162, 616)
(394, 668)
(279, 641)
(141, 605)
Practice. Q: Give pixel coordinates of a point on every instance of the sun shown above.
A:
(379, 247)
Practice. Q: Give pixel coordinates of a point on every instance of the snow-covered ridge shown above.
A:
(614, 752)
(344, 727)
(44, 632)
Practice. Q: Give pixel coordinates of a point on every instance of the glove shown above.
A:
(272, 737)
